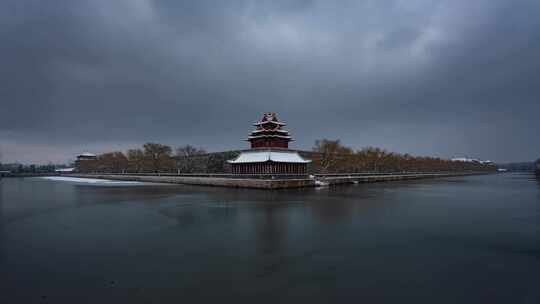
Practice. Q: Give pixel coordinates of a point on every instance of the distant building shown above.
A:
(537, 167)
(269, 153)
(472, 160)
(86, 162)
(465, 160)
(86, 156)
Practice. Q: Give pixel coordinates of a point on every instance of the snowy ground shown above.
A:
(93, 181)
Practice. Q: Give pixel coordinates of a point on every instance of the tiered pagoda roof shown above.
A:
(269, 133)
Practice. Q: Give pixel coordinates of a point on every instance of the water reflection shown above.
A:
(106, 194)
(327, 205)
(336, 204)
(367, 242)
(271, 230)
(1, 220)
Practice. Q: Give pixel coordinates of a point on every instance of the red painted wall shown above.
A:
(270, 143)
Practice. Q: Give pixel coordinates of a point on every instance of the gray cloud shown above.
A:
(425, 77)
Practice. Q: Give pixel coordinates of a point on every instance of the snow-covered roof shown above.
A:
(471, 160)
(465, 159)
(269, 118)
(87, 154)
(269, 155)
(258, 123)
(269, 130)
(65, 170)
(264, 135)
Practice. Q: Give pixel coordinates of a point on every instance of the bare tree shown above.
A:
(331, 153)
(188, 159)
(113, 162)
(158, 155)
(136, 159)
(217, 162)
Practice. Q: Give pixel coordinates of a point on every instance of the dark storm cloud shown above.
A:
(426, 77)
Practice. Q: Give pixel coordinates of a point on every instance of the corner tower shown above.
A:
(269, 153)
(269, 133)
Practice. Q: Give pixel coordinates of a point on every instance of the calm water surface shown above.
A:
(467, 240)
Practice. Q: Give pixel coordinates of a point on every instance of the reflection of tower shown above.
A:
(272, 227)
(269, 216)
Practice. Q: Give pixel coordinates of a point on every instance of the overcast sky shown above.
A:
(437, 78)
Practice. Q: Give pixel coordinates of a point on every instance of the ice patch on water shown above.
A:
(93, 181)
(319, 183)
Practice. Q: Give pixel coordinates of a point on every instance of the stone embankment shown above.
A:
(268, 183)
(336, 179)
(208, 181)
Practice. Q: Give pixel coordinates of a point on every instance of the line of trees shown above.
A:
(328, 156)
(337, 158)
(154, 157)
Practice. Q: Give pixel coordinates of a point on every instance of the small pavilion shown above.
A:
(86, 162)
(269, 153)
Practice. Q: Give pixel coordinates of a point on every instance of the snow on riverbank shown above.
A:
(93, 181)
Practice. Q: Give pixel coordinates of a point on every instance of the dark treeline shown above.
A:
(328, 156)
(153, 157)
(337, 158)
(20, 168)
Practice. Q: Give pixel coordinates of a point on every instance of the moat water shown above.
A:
(454, 240)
